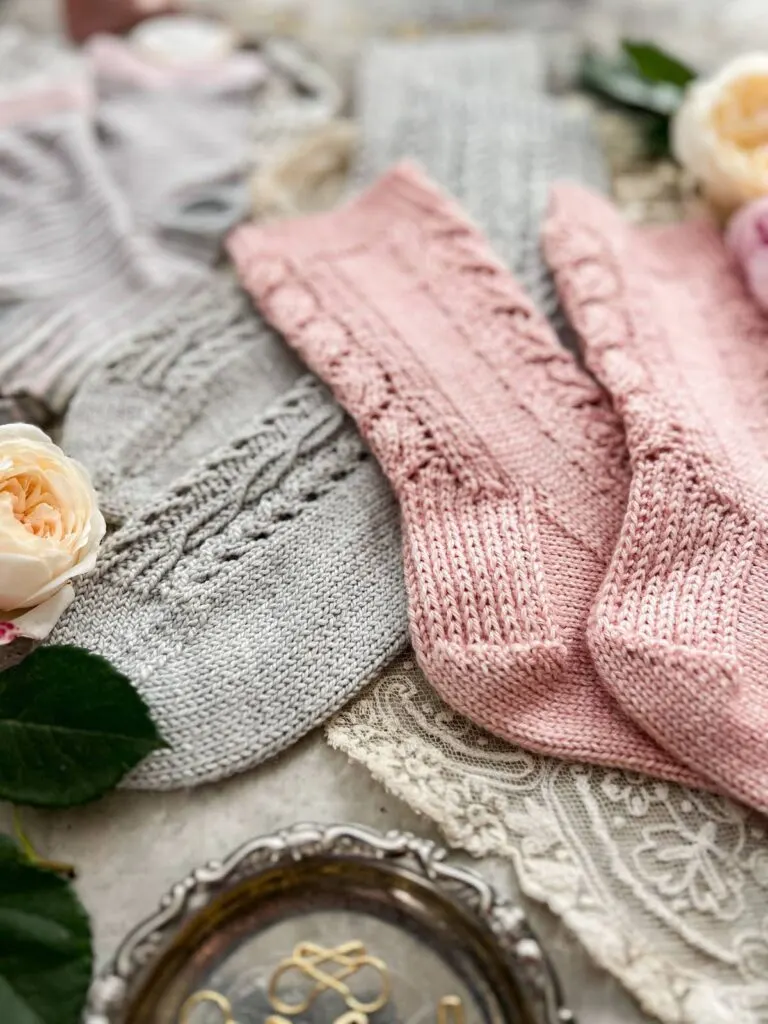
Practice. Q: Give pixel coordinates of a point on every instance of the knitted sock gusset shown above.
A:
(676, 627)
(480, 614)
(678, 631)
(255, 596)
(508, 462)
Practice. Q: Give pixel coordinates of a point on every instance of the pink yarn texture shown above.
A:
(508, 461)
(679, 631)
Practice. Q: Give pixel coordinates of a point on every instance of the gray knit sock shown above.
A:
(256, 596)
(73, 274)
(177, 141)
(466, 108)
(199, 373)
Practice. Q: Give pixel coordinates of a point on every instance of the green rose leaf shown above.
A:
(621, 82)
(45, 944)
(71, 726)
(656, 65)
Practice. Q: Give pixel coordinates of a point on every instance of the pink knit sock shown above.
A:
(679, 632)
(509, 464)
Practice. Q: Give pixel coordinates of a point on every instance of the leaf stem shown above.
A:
(31, 853)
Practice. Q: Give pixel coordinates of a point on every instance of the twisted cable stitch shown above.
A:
(327, 336)
(493, 307)
(472, 111)
(499, 591)
(679, 632)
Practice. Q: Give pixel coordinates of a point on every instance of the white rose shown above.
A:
(50, 531)
(720, 132)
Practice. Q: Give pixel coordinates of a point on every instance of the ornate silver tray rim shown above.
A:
(111, 991)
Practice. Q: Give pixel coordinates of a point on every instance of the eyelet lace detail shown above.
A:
(496, 317)
(373, 386)
(608, 305)
(565, 402)
(243, 494)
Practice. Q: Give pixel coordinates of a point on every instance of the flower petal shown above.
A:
(14, 431)
(23, 577)
(38, 622)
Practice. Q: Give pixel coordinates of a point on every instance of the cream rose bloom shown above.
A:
(50, 531)
(720, 132)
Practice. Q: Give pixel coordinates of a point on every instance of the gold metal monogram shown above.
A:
(310, 961)
(326, 969)
(212, 998)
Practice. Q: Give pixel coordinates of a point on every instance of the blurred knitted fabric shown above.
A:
(176, 140)
(118, 180)
(74, 273)
(251, 597)
(470, 110)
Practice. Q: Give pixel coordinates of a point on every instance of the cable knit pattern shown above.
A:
(235, 601)
(679, 632)
(470, 110)
(184, 385)
(508, 462)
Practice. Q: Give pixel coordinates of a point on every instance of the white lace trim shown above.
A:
(666, 887)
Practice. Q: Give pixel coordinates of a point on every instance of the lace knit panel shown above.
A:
(235, 601)
(665, 886)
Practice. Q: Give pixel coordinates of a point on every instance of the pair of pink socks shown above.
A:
(587, 575)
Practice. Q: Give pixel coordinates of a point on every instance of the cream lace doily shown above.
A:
(666, 887)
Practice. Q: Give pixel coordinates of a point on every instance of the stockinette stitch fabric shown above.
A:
(679, 629)
(175, 139)
(74, 275)
(508, 462)
(467, 109)
(99, 235)
(183, 385)
(255, 596)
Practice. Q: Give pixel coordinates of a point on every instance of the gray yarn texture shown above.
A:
(182, 386)
(111, 213)
(470, 110)
(180, 153)
(255, 582)
(74, 276)
(255, 597)
(252, 589)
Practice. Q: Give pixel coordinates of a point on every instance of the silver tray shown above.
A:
(319, 924)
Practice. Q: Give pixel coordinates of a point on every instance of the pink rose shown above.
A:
(747, 238)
